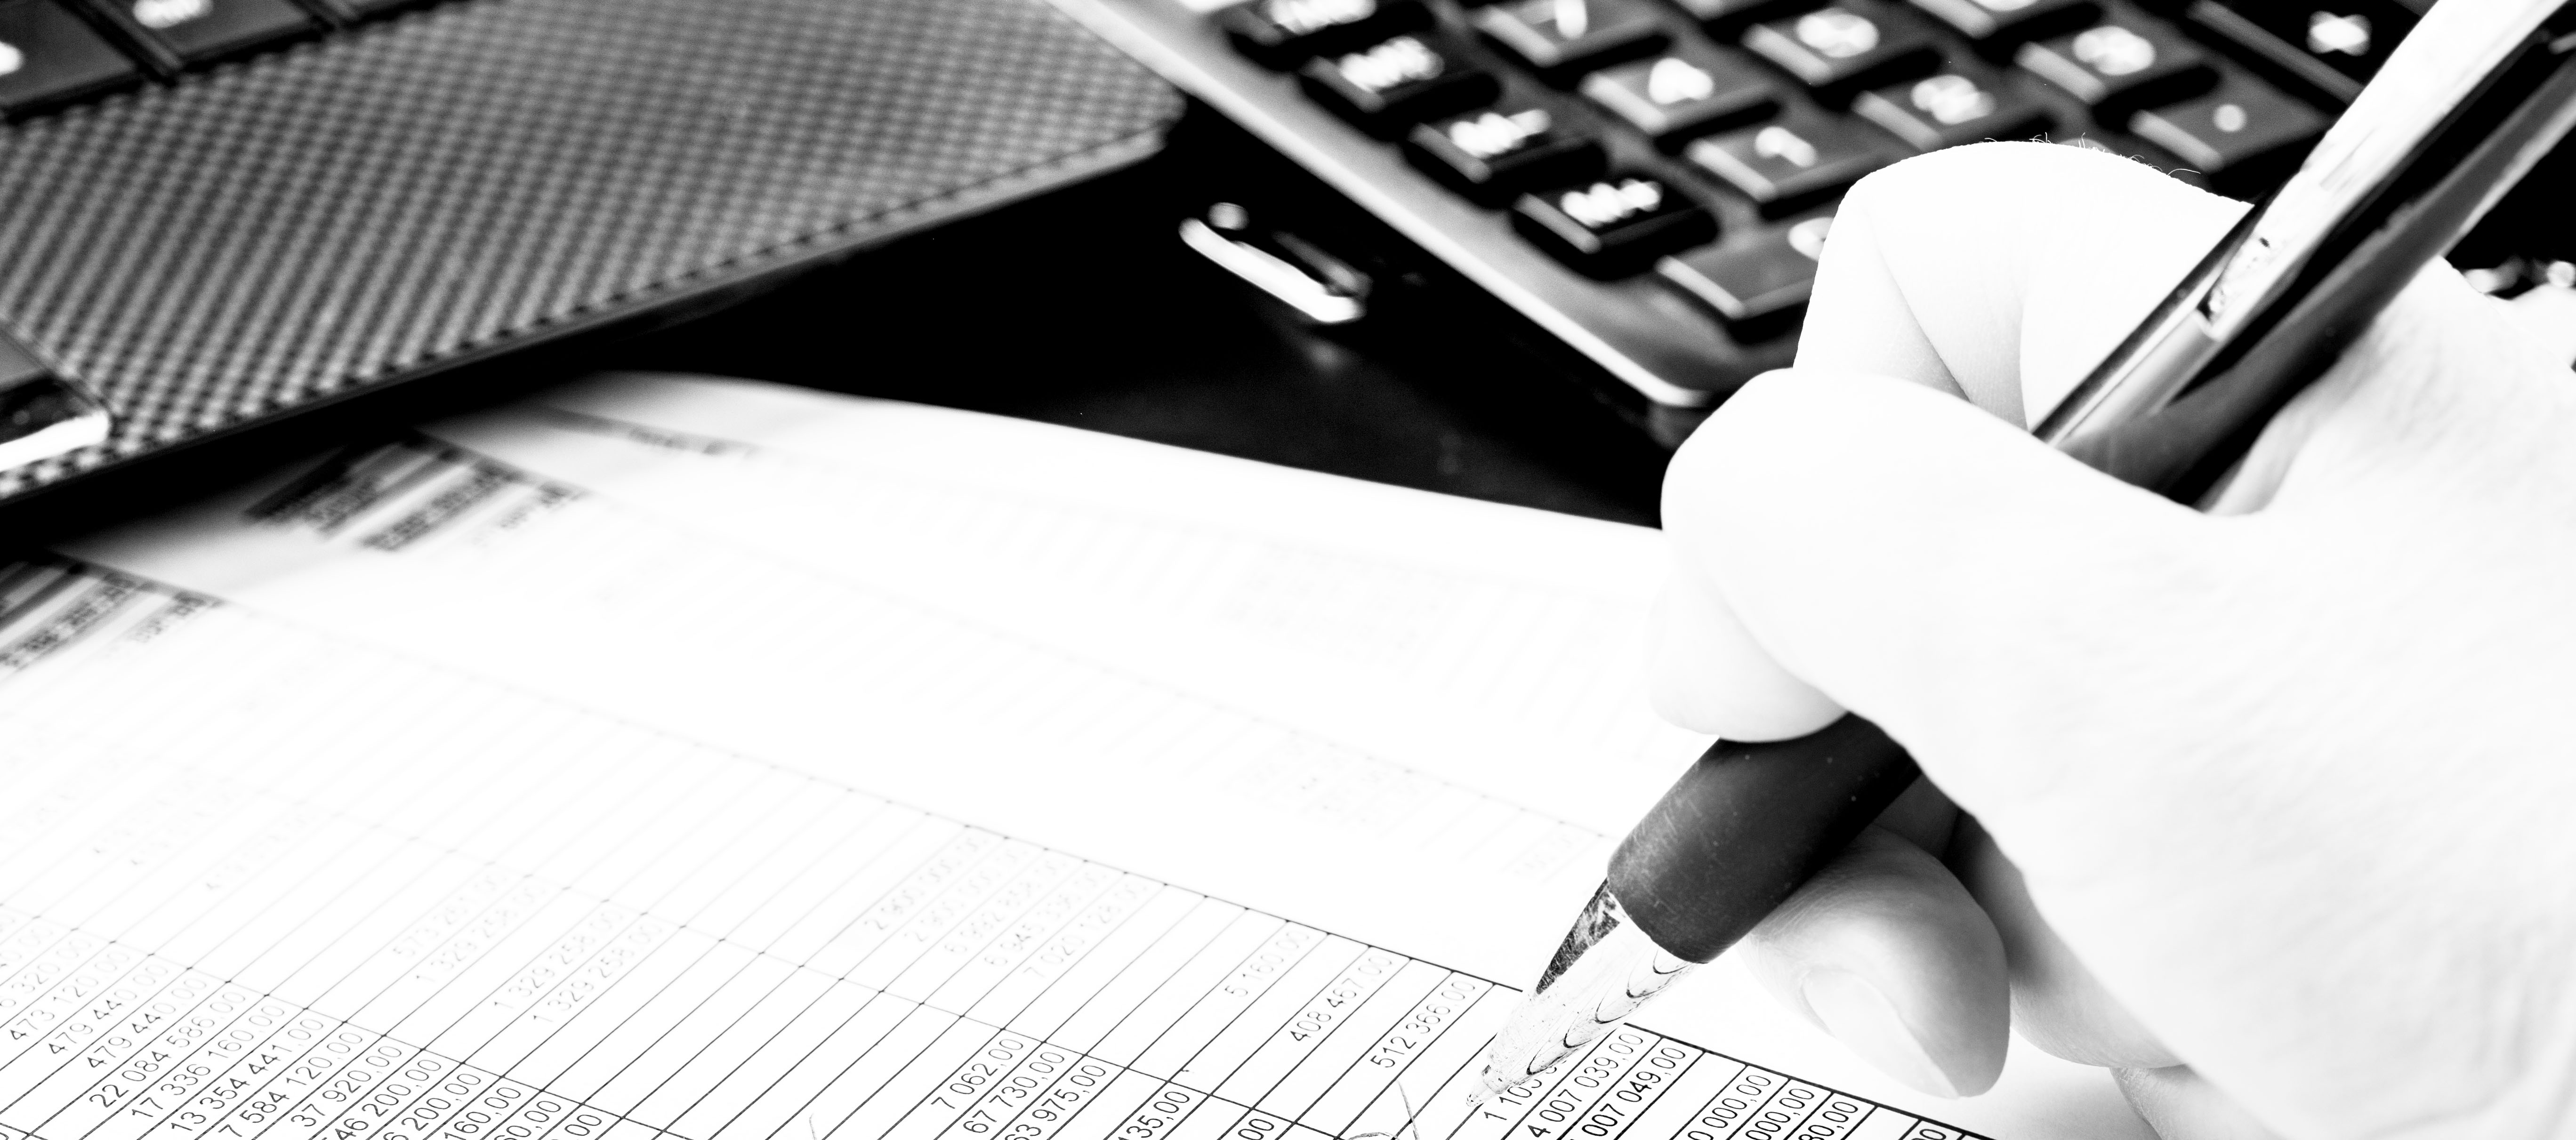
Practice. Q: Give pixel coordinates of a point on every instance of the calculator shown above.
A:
(1650, 181)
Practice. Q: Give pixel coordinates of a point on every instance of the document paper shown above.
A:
(389, 900)
(398, 872)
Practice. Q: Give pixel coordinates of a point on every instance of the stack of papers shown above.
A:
(683, 757)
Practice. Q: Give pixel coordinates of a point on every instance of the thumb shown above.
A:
(1928, 565)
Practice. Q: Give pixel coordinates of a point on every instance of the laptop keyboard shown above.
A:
(1678, 162)
(54, 53)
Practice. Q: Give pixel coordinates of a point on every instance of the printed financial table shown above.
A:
(328, 894)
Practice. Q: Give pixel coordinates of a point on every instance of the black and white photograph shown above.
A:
(1287, 569)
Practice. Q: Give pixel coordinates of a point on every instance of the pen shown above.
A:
(2468, 102)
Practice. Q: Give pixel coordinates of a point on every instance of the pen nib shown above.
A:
(1604, 971)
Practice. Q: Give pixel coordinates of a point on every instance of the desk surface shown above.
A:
(1085, 309)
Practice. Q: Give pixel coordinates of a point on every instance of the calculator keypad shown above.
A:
(1388, 86)
(1683, 93)
(1951, 108)
(1753, 282)
(54, 53)
(1996, 25)
(2120, 65)
(1719, 16)
(49, 56)
(1284, 33)
(1789, 165)
(2233, 132)
(1492, 155)
(1842, 48)
(203, 31)
(1614, 225)
(1697, 148)
(1563, 38)
(2351, 37)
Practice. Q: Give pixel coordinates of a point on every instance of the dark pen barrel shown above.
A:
(1746, 826)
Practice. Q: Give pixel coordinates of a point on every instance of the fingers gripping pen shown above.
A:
(2464, 107)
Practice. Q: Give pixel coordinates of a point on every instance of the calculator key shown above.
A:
(1732, 15)
(1285, 33)
(1951, 108)
(200, 31)
(48, 56)
(1847, 47)
(1996, 25)
(1788, 165)
(1558, 38)
(1613, 226)
(1392, 85)
(2238, 135)
(1756, 283)
(1684, 93)
(1493, 154)
(2350, 36)
(2120, 65)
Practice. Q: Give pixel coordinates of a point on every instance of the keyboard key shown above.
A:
(1951, 108)
(1756, 283)
(1285, 33)
(1995, 25)
(2350, 36)
(1685, 93)
(1614, 226)
(48, 56)
(201, 31)
(1786, 166)
(1559, 38)
(2240, 135)
(1845, 48)
(1492, 155)
(1395, 84)
(2120, 65)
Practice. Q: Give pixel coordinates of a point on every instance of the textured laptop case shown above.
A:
(437, 188)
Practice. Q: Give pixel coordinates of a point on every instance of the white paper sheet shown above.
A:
(1417, 624)
(643, 605)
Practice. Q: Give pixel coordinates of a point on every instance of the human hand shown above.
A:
(2267, 809)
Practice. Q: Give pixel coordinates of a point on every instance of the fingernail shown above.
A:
(1861, 1017)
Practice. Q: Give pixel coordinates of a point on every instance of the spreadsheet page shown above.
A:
(332, 893)
(1253, 926)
